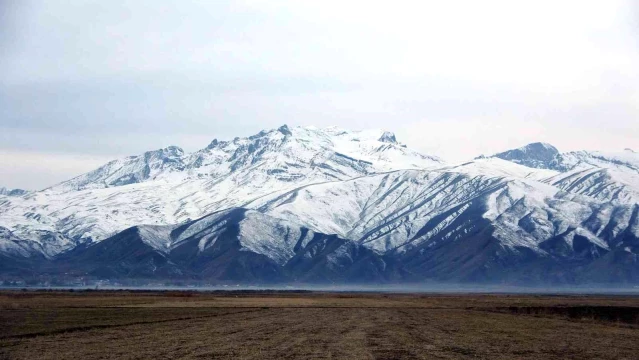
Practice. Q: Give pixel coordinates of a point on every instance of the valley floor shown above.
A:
(270, 325)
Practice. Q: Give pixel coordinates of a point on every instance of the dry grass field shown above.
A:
(250, 325)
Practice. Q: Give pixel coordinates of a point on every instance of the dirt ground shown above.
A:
(261, 325)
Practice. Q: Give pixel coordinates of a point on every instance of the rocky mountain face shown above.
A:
(12, 192)
(236, 245)
(535, 155)
(330, 205)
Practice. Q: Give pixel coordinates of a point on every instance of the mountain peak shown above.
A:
(286, 155)
(171, 150)
(285, 130)
(535, 155)
(388, 137)
(629, 150)
(539, 146)
(12, 192)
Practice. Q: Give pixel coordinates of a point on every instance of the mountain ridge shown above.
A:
(161, 163)
(309, 204)
(13, 192)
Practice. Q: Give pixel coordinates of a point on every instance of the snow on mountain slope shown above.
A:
(237, 245)
(258, 233)
(40, 242)
(130, 170)
(605, 176)
(403, 210)
(12, 245)
(383, 211)
(499, 167)
(606, 184)
(584, 159)
(167, 187)
(157, 236)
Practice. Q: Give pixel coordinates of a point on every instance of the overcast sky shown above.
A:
(83, 82)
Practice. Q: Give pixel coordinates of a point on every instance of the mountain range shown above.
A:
(310, 205)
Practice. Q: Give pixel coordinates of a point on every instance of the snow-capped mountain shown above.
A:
(289, 155)
(417, 212)
(449, 224)
(308, 204)
(168, 186)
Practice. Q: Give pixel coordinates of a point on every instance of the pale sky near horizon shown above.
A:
(84, 82)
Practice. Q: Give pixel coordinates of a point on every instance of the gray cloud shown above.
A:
(108, 79)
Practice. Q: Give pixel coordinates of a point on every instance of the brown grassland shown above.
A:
(275, 325)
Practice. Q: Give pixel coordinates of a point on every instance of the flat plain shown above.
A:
(315, 325)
